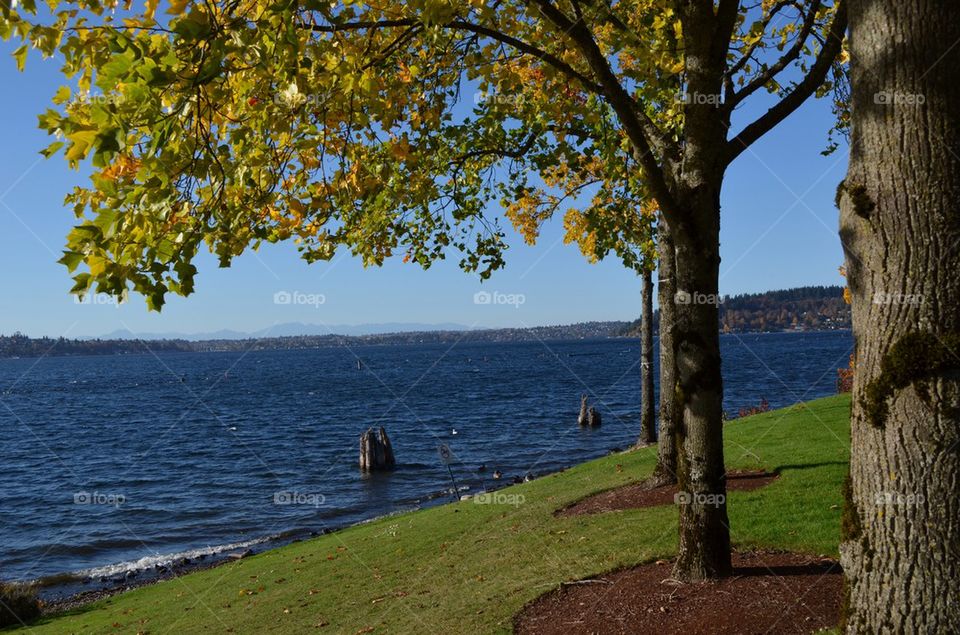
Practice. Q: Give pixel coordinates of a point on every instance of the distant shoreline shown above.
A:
(22, 347)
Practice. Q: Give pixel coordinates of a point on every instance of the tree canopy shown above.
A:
(386, 127)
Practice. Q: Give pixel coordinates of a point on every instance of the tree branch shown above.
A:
(525, 47)
(793, 53)
(742, 61)
(813, 80)
(463, 25)
(645, 136)
(727, 12)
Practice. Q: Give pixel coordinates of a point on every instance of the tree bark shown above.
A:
(900, 227)
(704, 550)
(648, 431)
(666, 471)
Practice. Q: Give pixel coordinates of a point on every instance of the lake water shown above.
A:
(113, 464)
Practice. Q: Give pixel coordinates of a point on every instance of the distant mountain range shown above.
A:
(801, 309)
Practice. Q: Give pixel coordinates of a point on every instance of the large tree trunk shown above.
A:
(648, 432)
(666, 471)
(704, 550)
(900, 227)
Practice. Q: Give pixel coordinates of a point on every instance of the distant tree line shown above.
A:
(20, 345)
(818, 308)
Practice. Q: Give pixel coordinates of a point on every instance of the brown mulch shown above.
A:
(639, 495)
(773, 593)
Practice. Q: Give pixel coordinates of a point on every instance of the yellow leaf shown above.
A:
(177, 6)
(80, 144)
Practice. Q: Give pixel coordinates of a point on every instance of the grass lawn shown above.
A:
(467, 568)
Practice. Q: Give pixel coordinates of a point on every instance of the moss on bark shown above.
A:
(913, 360)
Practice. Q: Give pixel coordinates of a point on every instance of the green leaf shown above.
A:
(80, 142)
(71, 260)
(21, 56)
(62, 95)
(52, 149)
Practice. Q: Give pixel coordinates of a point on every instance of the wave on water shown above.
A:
(160, 560)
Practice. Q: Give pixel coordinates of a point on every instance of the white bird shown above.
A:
(454, 431)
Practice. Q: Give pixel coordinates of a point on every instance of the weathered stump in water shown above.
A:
(583, 419)
(593, 418)
(376, 453)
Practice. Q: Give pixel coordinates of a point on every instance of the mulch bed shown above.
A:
(770, 592)
(639, 495)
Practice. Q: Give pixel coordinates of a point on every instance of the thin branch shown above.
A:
(748, 53)
(528, 48)
(813, 80)
(463, 25)
(792, 54)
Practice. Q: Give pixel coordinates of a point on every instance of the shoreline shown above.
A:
(149, 577)
(435, 338)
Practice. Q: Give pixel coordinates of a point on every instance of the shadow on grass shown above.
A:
(809, 466)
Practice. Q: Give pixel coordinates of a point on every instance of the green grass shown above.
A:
(468, 568)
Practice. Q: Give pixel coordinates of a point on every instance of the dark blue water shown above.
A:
(117, 463)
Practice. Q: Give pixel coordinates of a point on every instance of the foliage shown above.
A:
(221, 125)
(18, 604)
(468, 568)
(763, 406)
(845, 376)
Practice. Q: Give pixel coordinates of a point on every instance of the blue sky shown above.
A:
(779, 230)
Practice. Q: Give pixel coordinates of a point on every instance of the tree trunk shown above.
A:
(666, 471)
(900, 227)
(648, 431)
(704, 550)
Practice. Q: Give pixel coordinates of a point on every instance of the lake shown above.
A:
(115, 464)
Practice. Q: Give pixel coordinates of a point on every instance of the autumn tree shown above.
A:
(900, 227)
(343, 125)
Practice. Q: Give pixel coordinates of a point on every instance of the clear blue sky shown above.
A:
(779, 230)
